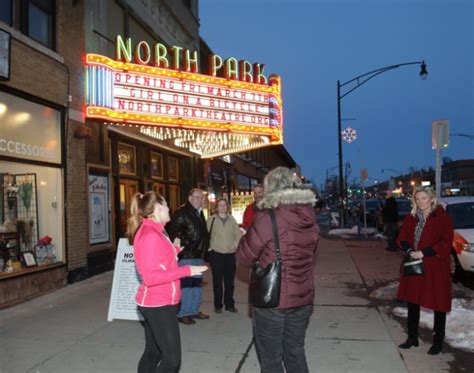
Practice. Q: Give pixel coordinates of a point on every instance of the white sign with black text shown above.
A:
(124, 285)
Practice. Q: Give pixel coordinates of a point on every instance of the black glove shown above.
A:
(406, 247)
(428, 251)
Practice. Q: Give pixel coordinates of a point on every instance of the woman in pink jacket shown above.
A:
(159, 294)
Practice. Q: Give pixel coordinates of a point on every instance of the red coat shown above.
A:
(298, 235)
(433, 289)
(249, 214)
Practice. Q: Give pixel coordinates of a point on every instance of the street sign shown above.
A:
(439, 140)
(440, 134)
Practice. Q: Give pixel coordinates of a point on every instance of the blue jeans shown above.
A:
(191, 290)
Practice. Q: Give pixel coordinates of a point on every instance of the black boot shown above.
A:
(412, 326)
(438, 333)
(410, 342)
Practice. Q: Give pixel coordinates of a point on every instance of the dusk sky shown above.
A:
(311, 44)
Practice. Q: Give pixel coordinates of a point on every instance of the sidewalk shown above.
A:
(66, 331)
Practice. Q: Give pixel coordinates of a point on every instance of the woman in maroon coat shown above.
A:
(427, 233)
(280, 332)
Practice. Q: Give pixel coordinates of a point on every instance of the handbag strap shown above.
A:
(212, 224)
(275, 234)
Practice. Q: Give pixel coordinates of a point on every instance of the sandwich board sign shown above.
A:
(124, 285)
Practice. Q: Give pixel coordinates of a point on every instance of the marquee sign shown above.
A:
(207, 114)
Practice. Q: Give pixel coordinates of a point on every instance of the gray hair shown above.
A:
(281, 178)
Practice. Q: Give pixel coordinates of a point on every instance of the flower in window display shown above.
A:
(44, 241)
(12, 191)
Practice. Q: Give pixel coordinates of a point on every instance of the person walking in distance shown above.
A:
(252, 208)
(224, 237)
(280, 332)
(159, 293)
(427, 234)
(189, 225)
(390, 220)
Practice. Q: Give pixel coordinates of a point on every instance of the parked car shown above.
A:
(461, 210)
(323, 218)
(404, 207)
(373, 211)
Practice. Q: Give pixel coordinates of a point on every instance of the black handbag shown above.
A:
(412, 267)
(265, 283)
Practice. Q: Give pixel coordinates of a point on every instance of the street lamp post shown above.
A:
(358, 81)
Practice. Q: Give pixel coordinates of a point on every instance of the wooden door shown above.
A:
(128, 188)
(175, 197)
(159, 188)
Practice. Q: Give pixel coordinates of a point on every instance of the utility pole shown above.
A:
(439, 140)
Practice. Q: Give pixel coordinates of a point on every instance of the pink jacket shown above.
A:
(157, 263)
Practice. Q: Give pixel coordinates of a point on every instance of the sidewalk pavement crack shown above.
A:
(354, 339)
(68, 347)
(244, 357)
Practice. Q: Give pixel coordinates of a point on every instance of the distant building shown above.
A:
(457, 179)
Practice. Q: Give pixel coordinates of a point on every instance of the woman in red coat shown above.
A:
(427, 234)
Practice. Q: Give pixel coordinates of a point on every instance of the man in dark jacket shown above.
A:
(189, 225)
(390, 220)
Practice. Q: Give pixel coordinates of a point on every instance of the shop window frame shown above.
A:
(19, 19)
(62, 165)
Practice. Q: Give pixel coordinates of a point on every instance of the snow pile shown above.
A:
(388, 292)
(352, 231)
(459, 323)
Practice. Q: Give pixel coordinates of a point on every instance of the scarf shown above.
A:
(419, 227)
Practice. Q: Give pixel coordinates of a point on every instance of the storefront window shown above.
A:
(31, 216)
(31, 186)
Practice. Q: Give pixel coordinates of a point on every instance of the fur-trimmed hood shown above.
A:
(287, 197)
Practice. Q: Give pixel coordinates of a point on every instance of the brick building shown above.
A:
(42, 164)
(69, 178)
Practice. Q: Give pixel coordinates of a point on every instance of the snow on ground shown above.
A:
(388, 292)
(459, 323)
(352, 231)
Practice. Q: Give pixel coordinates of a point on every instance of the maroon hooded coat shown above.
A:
(298, 234)
(433, 289)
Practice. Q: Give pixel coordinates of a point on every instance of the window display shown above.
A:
(30, 208)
